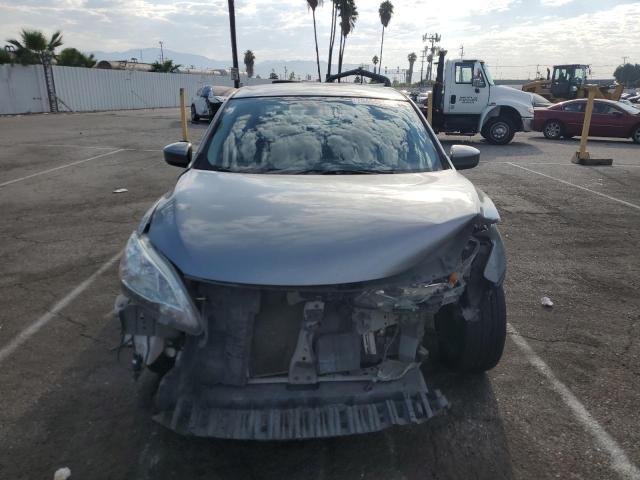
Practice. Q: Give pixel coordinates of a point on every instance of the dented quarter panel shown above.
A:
(307, 230)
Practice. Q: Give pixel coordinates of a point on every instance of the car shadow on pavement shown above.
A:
(601, 142)
(489, 151)
(90, 422)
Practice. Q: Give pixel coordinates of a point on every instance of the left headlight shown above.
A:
(150, 277)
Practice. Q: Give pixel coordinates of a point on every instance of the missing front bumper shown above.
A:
(278, 412)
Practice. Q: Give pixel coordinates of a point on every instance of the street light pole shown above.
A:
(234, 47)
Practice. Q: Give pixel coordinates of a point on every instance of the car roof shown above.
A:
(316, 89)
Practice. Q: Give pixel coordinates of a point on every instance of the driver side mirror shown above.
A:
(464, 157)
(178, 154)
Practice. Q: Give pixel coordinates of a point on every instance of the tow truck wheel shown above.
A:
(498, 131)
(553, 130)
(194, 116)
(636, 135)
(473, 346)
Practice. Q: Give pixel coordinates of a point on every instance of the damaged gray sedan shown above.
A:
(318, 248)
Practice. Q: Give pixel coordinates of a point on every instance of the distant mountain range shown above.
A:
(301, 68)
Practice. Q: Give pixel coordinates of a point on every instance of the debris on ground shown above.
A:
(120, 190)
(546, 302)
(62, 474)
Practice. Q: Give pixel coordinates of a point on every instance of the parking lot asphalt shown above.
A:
(563, 403)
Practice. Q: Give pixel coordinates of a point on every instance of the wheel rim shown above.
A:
(499, 130)
(552, 129)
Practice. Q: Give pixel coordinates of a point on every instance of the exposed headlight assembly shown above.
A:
(148, 276)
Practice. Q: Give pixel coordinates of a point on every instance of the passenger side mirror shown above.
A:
(464, 157)
(178, 154)
(478, 82)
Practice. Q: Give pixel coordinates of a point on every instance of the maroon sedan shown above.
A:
(610, 119)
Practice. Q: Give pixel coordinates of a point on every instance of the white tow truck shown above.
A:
(467, 101)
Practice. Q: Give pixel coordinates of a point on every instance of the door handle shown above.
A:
(477, 90)
(453, 99)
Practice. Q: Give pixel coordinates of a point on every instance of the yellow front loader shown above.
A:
(569, 82)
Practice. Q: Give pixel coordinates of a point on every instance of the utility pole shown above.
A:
(234, 47)
(433, 38)
(461, 51)
(624, 60)
(161, 51)
(422, 57)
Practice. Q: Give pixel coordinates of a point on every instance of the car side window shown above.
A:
(464, 73)
(205, 91)
(574, 107)
(604, 109)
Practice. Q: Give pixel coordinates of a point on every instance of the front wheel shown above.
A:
(475, 345)
(553, 130)
(636, 135)
(498, 131)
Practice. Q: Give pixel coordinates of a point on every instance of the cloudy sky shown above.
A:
(511, 35)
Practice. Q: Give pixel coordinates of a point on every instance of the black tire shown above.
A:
(499, 130)
(636, 135)
(194, 116)
(473, 346)
(553, 130)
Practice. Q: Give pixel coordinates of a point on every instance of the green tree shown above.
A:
(412, 57)
(249, 60)
(348, 17)
(5, 56)
(375, 62)
(628, 75)
(72, 57)
(292, 76)
(167, 67)
(313, 4)
(273, 75)
(386, 12)
(33, 47)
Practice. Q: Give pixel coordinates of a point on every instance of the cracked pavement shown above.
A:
(68, 400)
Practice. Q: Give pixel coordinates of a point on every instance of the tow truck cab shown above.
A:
(467, 101)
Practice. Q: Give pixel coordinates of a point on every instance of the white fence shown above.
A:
(23, 90)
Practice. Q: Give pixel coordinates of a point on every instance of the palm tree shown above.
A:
(375, 62)
(33, 46)
(412, 57)
(332, 33)
(313, 4)
(386, 12)
(249, 60)
(348, 17)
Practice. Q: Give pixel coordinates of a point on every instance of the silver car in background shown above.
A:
(319, 247)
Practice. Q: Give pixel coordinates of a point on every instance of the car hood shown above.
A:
(309, 230)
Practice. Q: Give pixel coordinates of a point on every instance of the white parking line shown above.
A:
(623, 202)
(565, 164)
(32, 329)
(619, 460)
(43, 172)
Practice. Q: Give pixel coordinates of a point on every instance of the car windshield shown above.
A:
(319, 135)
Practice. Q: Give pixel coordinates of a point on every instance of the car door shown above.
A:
(469, 92)
(201, 102)
(608, 121)
(573, 117)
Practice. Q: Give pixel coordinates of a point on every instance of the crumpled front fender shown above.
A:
(496, 267)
